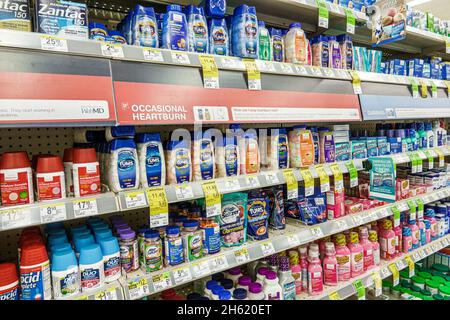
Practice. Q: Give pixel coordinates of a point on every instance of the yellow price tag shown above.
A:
(253, 74)
(324, 179)
(338, 177)
(423, 88)
(356, 81)
(309, 182)
(159, 206)
(82, 298)
(377, 284)
(441, 157)
(212, 199)
(334, 296)
(410, 265)
(210, 71)
(292, 184)
(395, 274)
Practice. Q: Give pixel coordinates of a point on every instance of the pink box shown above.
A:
(335, 204)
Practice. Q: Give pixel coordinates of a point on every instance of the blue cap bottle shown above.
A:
(65, 276)
(111, 258)
(82, 241)
(91, 267)
(102, 234)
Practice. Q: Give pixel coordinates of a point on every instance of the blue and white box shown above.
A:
(415, 68)
(15, 15)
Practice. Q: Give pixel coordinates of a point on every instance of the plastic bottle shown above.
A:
(296, 271)
(320, 52)
(192, 238)
(111, 258)
(175, 29)
(334, 53)
(86, 172)
(129, 251)
(315, 273)
(343, 257)
(50, 182)
(144, 27)
(245, 32)
(197, 29)
(277, 49)
(35, 280)
(347, 52)
(152, 166)
(422, 135)
(97, 31)
(427, 231)
(304, 267)
(373, 238)
(91, 267)
(430, 135)
(407, 239)
(264, 47)
(398, 240)
(415, 233)
(286, 280)
(437, 133)
(244, 282)
(65, 274)
(123, 169)
(249, 153)
(215, 290)
(208, 287)
(327, 148)
(422, 232)
(219, 41)
(387, 240)
(203, 159)
(255, 292)
(16, 180)
(330, 265)
(178, 162)
(272, 288)
(240, 294)
(9, 282)
(356, 255)
(174, 246)
(153, 255)
(261, 275)
(296, 48)
(429, 216)
(368, 248)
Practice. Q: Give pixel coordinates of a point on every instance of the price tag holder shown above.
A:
(414, 88)
(412, 209)
(334, 296)
(180, 57)
(112, 50)
(267, 248)
(272, 178)
(338, 177)
(292, 184)
(287, 68)
(308, 180)
(159, 206)
(232, 63)
(301, 70)
(317, 232)
(353, 173)
(423, 89)
(52, 43)
(430, 159)
(253, 75)
(360, 290)
(385, 272)
(396, 213)
(434, 92)
(52, 213)
(15, 218)
(420, 208)
(395, 274)
(377, 284)
(324, 179)
(218, 263)
(135, 199)
(357, 220)
(351, 21)
(85, 208)
(400, 265)
(410, 263)
(341, 225)
(252, 180)
(242, 256)
(109, 294)
(231, 184)
(181, 275)
(292, 240)
(201, 269)
(212, 199)
(356, 81)
(441, 157)
(153, 55)
(416, 256)
(184, 192)
(323, 14)
(138, 289)
(161, 281)
(210, 72)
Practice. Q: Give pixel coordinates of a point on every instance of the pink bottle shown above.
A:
(398, 240)
(407, 239)
(343, 258)
(315, 274)
(387, 240)
(368, 248)
(429, 215)
(373, 238)
(356, 255)
(330, 265)
(296, 271)
(304, 267)
(415, 234)
(427, 230)
(322, 243)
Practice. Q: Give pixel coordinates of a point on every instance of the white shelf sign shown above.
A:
(52, 213)
(85, 207)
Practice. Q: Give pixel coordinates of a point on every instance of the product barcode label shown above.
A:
(154, 55)
(52, 213)
(267, 248)
(377, 284)
(138, 289)
(242, 256)
(181, 275)
(334, 296)
(271, 178)
(53, 44)
(135, 199)
(15, 218)
(180, 57)
(85, 208)
(218, 263)
(200, 269)
(112, 50)
(212, 199)
(109, 294)
(161, 281)
(184, 192)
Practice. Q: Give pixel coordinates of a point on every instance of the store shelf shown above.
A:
(346, 289)
(60, 210)
(111, 291)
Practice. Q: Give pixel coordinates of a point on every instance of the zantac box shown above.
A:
(15, 15)
(62, 18)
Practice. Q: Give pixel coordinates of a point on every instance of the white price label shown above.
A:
(316, 71)
(293, 240)
(385, 272)
(232, 63)
(84, 208)
(15, 218)
(434, 247)
(181, 275)
(201, 269)
(341, 225)
(211, 83)
(286, 68)
(184, 192)
(400, 265)
(441, 194)
(213, 210)
(422, 253)
(138, 289)
(112, 50)
(53, 44)
(265, 66)
(252, 181)
(218, 263)
(301, 70)
(154, 55)
(161, 281)
(328, 72)
(317, 232)
(357, 220)
(135, 199)
(232, 184)
(180, 57)
(416, 256)
(272, 178)
(242, 256)
(254, 84)
(109, 294)
(403, 206)
(267, 248)
(52, 213)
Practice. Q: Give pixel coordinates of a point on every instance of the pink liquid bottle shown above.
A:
(415, 234)
(427, 231)
(304, 267)
(429, 216)
(356, 255)
(407, 239)
(343, 258)
(330, 265)
(296, 270)
(373, 238)
(398, 240)
(368, 248)
(374, 226)
(315, 274)
(387, 240)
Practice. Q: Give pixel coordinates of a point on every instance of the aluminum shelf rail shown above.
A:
(137, 284)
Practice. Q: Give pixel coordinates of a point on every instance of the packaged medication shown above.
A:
(65, 274)
(16, 181)
(62, 18)
(97, 31)
(144, 27)
(276, 39)
(296, 48)
(249, 153)
(327, 146)
(211, 236)
(264, 46)
(346, 45)
(277, 150)
(342, 151)
(258, 215)
(203, 159)
(152, 165)
(320, 52)
(111, 257)
(228, 157)
(173, 246)
(219, 40)
(334, 53)
(35, 278)
(197, 29)
(123, 166)
(91, 267)
(9, 282)
(50, 181)
(175, 29)
(233, 219)
(245, 32)
(86, 172)
(129, 251)
(153, 253)
(179, 165)
(215, 8)
(193, 240)
(15, 15)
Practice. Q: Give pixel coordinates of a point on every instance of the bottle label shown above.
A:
(153, 256)
(174, 251)
(194, 246)
(127, 254)
(153, 165)
(206, 160)
(66, 285)
(251, 35)
(15, 187)
(219, 41)
(289, 291)
(273, 296)
(198, 41)
(89, 179)
(111, 266)
(35, 282)
(126, 169)
(343, 267)
(357, 262)
(182, 165)
(11, 294)
(330, 274)
(211, 240)
(90, 278)
(283, 154)
(315, 282)
(145, 32)
(231, 160)
(177, 32)
(49, 186)
(368, 258)
(278, 48)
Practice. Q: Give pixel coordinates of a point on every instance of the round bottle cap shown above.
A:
(271, 275)
(224, 295)
(227, 283)
(173, 230)
(60, 247)
(193, 296)
(245, 281)
(151, 234)
(255, 288)
(48, 164)
(211, 283)
(82, 240)
(62, 260)
(190, 224)
(8, 274)
(33, 254)
(90, 254)
(263, 271)
(218, 276)
(128, 234)
(168, 294)
(102, 234)
(68, 155)
(235, 271)
(109, 245)
(239, 294)
(14, 160)
(216, 289)
(56, 239)
(87, 155)
(56, 232)
(295, 25)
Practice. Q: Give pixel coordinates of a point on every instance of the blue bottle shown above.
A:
(197, 29)
(97, 31)
(219, 41)
(159, 20)
(175, 29)
(229, 21)
(245, 32)
(102, 234)
(65, 274)
(117, 36)
(276, 39)
(144, 27)
(91, 267)
(215, 8)
(111, 258)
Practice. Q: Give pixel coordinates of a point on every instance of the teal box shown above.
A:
(342, 150)
(358, 149)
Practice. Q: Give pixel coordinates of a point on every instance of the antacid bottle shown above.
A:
(330, 265)
(356, 254)
(343, 258)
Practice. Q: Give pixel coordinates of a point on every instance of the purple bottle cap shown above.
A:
(129, 234)
(271, 275)
(255, 288)
(234, 271)
(263, 270)
(284, 263)
(245, 281)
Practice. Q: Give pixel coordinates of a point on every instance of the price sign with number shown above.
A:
(292, 240)
(430, 159)
(53, 43)
(317, 232)
(210, 72)
(152, 54)
(159, 206)
(267, 248)
(212, 199)
(410, 263)
(286, 68)
(112, 50)
(412, 209)
(184, 192)
(52, 213)
(434, 93)
(334, 296)
(272, 178)
(323, 14)
(85, 208)
(253, 74)
(441, 157)
(353, 173)
(181, 275)
(138, 289)
(218, 263)
(109, 294)
(201, 269)
(15, 218)
(356, 82)
(396, 213)
(420, 208)
(360, 290)
(309, 182)
(252, 180)
(292, 184)
(324, 179)
(351, 21)
(377, 284)
(414, 88)
(161, 281)
(135, 199)
(338, 177)
(395, 274)
(423, 89)
(242, 255)
(180, 57)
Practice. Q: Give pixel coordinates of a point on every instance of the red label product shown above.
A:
(50, 182)
(16, 179)
(86, 172)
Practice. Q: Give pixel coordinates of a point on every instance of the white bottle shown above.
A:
(437, 133)
(152, 165)
(272, 288)
(234, 274)
(255, 292)
(91, 268)
(65, 274)
(430, 135)
(123, 166)
(86, 172)
(286, 280)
